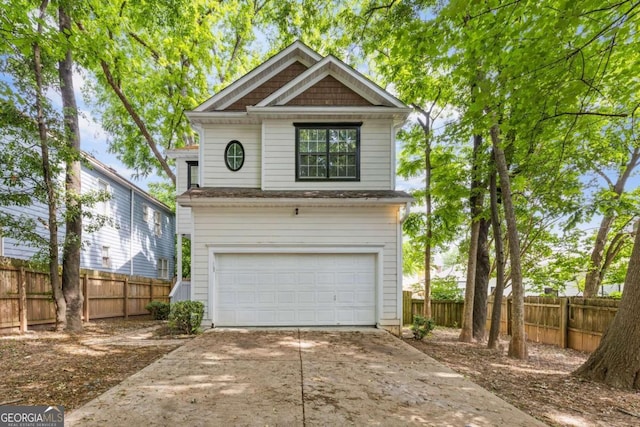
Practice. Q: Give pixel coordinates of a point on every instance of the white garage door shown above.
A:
(295, 289)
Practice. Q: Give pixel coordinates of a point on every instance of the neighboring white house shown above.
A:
(290, 201)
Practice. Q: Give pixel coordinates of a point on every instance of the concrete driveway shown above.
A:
(298, 377)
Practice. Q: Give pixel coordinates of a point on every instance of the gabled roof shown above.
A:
(298, 78)
(332, 66)
(295, 52)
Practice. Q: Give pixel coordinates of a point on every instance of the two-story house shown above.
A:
(289, 200)
(138, 239)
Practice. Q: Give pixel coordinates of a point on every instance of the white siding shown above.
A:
(313, 226)
(216, 173)
(376, 142)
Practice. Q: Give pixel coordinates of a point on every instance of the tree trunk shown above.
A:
(466, 334)
(494, 330)
(592, 281)
(52, 201)
(615, 362)
(426, 312)
(73, 239)
(518, 344)
(596, 270)
(483, 270)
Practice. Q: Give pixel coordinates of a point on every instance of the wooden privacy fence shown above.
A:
(573, 322)
(26, 297)
(444, 313)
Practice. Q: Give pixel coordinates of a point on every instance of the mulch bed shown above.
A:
(44, 367)
(542, 386)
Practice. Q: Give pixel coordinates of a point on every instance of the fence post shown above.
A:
(85, 291)
(150, 290)
(407, 307)
(22, 301)
(509, 315)
(564, 322)
(126, 297)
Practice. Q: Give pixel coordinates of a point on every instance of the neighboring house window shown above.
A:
(192, 174)
(145, 213)
(327, 152)
(157, 223)
(103, 207)
(106, 261)
(234, 155)
(163, 268)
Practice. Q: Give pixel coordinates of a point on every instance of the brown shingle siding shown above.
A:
(329, 91)
(268, 87)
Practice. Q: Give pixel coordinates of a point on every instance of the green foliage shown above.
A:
(615, 295)
(422, 327)
(159, 310)
(445, 288)
(186, 316)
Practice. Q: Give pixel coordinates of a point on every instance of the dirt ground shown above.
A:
(45, 367)
(541, 387)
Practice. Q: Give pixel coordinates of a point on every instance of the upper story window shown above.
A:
(328, 152)
(192, 174)
(157, 223)
(145, 213)
(163, 268)
(234, 155)
(106, 260)
(103, 206)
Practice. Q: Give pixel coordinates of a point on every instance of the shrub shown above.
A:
(185, 317)
(422, 327)
(445, 288)
(159, 310)
(615, 295)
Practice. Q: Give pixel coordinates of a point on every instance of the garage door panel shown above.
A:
(306, 297)
(295, 289)
(286, 297)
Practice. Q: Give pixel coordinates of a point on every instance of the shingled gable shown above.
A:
(298, 77)
(278, 70)
(331, 67)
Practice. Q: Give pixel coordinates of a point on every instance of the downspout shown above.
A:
(131, 236)
(407, 211)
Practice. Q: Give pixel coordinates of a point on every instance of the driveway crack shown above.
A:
(304, 420)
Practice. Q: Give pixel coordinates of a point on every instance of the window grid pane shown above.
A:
(328, 153)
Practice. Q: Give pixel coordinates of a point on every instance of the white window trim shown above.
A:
(145, 212)
(157, 225)
(108, 257)
(163, 268)
(106, 205)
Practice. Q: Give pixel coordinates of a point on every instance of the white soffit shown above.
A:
(296, 51)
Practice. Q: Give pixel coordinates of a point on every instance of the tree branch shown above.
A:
(138, 121)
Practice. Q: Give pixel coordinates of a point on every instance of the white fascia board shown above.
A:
(179, 153)
(290, 50)
(399, 114)
(186, 201)
(222, 117)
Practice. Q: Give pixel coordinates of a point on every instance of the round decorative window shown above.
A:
(234, 155)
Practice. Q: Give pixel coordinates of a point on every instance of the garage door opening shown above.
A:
(295, 289)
